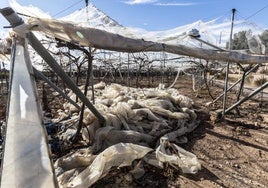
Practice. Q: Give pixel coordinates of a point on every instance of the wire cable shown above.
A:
(247, 21)
(26, 15)
(257, 12)
(68, 8)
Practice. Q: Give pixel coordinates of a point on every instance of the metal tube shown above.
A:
(43, 77)
(40, 49)
(128, 78)
(29, 146)
(15, 20)
(225, 89)
(89, 71)
(227, 68)
(209, 44)
(247, 97)
(234, 84)
(11, 16)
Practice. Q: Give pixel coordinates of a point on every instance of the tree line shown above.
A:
(246, 40)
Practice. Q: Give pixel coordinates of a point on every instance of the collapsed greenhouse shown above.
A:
(101, 126)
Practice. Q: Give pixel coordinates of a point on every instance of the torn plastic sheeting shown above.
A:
(100, 39)
(81, 158)
(175, 155)
(120, 155)
(185, 128)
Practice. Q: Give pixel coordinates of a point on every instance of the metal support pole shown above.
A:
(40, 49)
(26, 159)
(207, 43)
(128, 77)
(234, 84)
(227, 67)
(12, 17)
(89, 54)
(43, 77)
(247, 97)
(15, 20)
(89, 73)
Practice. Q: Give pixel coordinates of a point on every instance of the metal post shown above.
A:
(15, 20)
(227, 67)
(26, 161)
(234, 84)
(247, 97)
(12, 17)
(128, 78)
(209, 44)
(89, 72)
(40, 49)
(163, 67)
(92, 81)
(43, 77)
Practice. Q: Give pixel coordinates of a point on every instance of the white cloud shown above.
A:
(176, 4)
(135, 2)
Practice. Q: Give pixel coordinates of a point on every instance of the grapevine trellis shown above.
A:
(147, 117)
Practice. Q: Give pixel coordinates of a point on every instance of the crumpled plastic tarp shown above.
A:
(101, 39)
(174, 155)
(119, 155)
(142, 117)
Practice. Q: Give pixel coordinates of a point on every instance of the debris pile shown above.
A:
(141, 124)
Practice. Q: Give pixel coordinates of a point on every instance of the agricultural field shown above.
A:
(232, 152)
(90, 102)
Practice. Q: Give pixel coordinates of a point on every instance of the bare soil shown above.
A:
(233, 152)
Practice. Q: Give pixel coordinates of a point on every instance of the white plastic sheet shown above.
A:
(175, 155)
(119, 155)
(150, 114)
(100, 39)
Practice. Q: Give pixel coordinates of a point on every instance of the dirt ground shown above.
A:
(233, 152)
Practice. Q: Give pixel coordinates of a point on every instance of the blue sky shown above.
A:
(159, 14)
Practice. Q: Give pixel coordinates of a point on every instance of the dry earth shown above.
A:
(233, 152)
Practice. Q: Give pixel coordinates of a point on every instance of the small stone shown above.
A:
(236, 166)
(220, 148)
